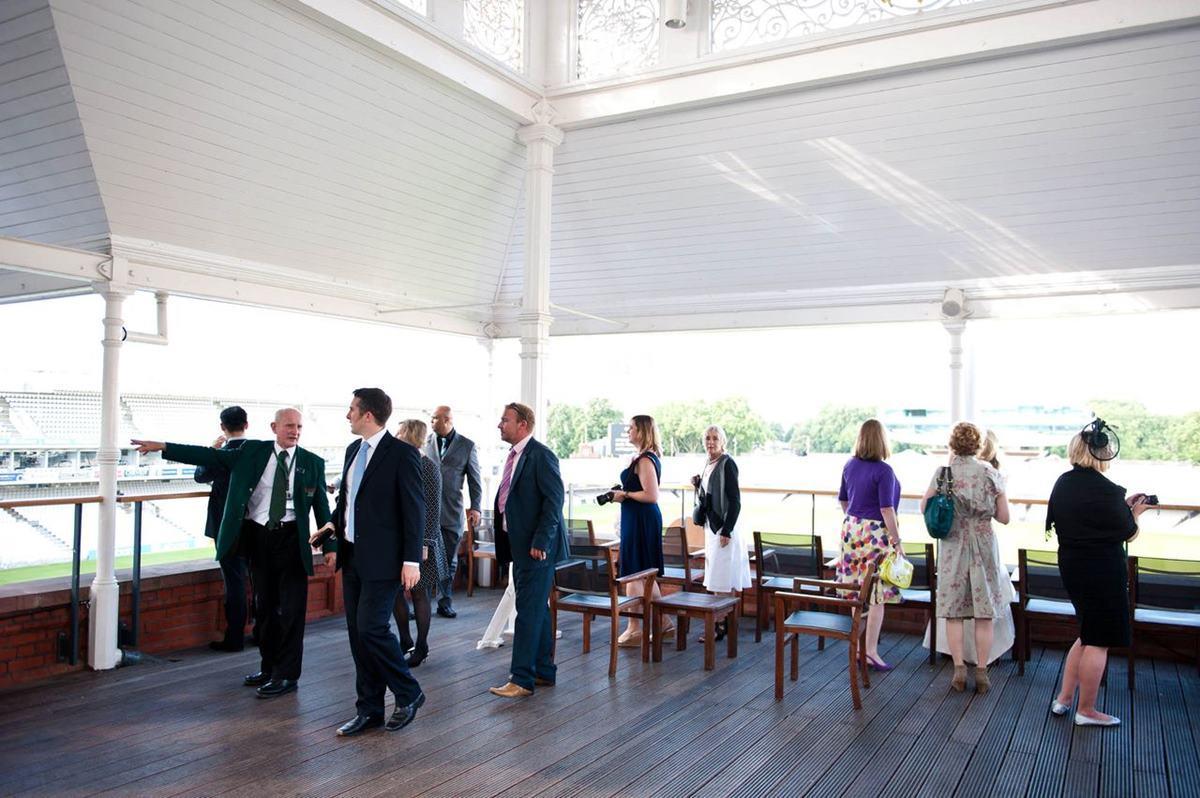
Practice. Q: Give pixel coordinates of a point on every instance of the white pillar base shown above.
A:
(103, 616)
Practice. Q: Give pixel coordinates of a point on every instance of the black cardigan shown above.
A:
(733, 502)
(1088, 511)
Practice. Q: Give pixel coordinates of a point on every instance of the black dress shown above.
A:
(1092, 521)
(641, 524)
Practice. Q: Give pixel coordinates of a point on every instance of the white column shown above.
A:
(540, 139)
(105, 594)
(956, 327)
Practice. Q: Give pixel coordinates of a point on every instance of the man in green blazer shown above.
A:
(272, 487)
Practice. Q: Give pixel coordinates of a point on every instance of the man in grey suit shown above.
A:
(455, 455)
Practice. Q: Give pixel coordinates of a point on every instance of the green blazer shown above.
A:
(246, 465)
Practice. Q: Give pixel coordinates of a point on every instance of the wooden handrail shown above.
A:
(16, 503)
(158, 497)
(61, 501)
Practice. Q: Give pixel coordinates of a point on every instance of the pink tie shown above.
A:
(506, 481)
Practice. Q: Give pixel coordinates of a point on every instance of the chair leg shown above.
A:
(759, 612)
(710, 643)
(795, 674)
(862, 660)
(656, 635)
(1132, 659)
(853, 655)
(932, 638)
(587, 632)
(731, 636)
(612, 642)
(779, 662)
(470, 574)
(820, 644)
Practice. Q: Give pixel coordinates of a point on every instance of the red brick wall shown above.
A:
(181, 607)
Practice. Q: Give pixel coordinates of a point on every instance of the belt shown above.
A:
(282, 525)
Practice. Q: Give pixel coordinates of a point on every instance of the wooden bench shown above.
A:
(706, 606)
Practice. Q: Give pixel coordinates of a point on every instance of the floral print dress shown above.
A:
(972, 580)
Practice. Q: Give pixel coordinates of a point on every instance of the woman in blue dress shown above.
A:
(641, 519)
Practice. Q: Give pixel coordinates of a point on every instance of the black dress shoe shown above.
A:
(446, 612)
(402, 716)
(225, 645)
(416, 657)
(256, 679)
(359, 723)
(277, 687)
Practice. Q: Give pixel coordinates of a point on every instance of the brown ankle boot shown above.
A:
(982, 684)
(959, 682)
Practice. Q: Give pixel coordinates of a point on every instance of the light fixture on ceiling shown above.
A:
(674, 13)
(954, 304)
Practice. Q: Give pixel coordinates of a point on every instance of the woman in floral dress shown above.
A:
(869, 495)
(973, 583)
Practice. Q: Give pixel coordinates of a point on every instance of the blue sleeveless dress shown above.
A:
(641, 524)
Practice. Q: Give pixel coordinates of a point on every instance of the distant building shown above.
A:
(1025, 427)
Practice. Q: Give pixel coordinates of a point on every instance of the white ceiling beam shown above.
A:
(48, 259)
(991, 30)
(426, 48)
(18, 286)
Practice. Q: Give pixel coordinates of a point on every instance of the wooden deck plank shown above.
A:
(184, 726)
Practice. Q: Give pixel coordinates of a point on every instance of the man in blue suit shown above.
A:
(530, 532)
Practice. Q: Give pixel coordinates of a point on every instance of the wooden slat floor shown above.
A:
(184, 726)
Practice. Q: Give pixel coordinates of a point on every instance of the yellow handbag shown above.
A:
(896, 569)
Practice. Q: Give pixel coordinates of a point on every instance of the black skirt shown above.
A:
(1096, 579)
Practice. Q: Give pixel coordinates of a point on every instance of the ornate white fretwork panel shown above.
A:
(498, 28)
(744, 23)
(616, 37)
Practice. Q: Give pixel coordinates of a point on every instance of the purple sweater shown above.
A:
(869, 485)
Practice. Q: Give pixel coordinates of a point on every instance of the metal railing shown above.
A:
(69, 641)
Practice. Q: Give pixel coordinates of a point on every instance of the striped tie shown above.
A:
(506, 482)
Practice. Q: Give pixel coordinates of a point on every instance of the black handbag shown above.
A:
(700, 508)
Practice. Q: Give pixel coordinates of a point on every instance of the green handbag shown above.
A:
(939, 510)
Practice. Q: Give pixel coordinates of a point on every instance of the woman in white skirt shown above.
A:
(726, 554)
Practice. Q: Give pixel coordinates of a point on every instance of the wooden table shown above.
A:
(685, 606)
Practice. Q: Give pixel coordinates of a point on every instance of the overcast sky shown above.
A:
(786, 374)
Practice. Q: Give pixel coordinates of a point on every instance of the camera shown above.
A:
(605, 498)
(1150, 499)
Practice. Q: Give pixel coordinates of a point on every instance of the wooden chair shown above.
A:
(587, 583)
(580, 530)
(922, 593)
(1164, 596)
(780, 558)
(1042, 595)
(480, 550)
(849, 626)
(679, 561)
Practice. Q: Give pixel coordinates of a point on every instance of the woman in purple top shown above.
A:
(869, 496)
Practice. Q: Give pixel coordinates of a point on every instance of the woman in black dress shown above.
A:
(641, 518)
(1093, 521)
(433, 553)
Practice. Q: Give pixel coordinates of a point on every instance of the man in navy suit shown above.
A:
(233, 565)
(531, 532)
(380, 524)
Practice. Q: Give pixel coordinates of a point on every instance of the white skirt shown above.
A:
(726, 568)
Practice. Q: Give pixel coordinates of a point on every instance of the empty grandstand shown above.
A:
(48, 444)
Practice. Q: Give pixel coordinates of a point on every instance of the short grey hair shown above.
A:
(721, 438)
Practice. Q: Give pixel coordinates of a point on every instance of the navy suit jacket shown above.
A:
(533, 516)
(389, 509)
(218, 477)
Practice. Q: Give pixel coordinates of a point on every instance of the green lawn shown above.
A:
(32, 572)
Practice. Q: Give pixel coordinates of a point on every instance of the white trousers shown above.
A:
(502, 619)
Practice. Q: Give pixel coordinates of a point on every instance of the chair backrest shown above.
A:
(788, 554)
(1040, 578)
(1162, 583)
(924, 564)
(590, 569)
(675, 548)
(581, 532)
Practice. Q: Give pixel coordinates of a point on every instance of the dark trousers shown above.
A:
(280, 597)
(233, 574)
(378, 659)
(451, 537)
(533, 643)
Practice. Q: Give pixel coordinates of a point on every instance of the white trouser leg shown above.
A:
(502, 618)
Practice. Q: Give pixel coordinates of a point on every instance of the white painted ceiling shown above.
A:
(268, 139)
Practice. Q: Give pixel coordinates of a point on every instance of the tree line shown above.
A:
(1144, 435)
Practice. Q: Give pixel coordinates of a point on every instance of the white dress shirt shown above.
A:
(258, 509)
(373, 443)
